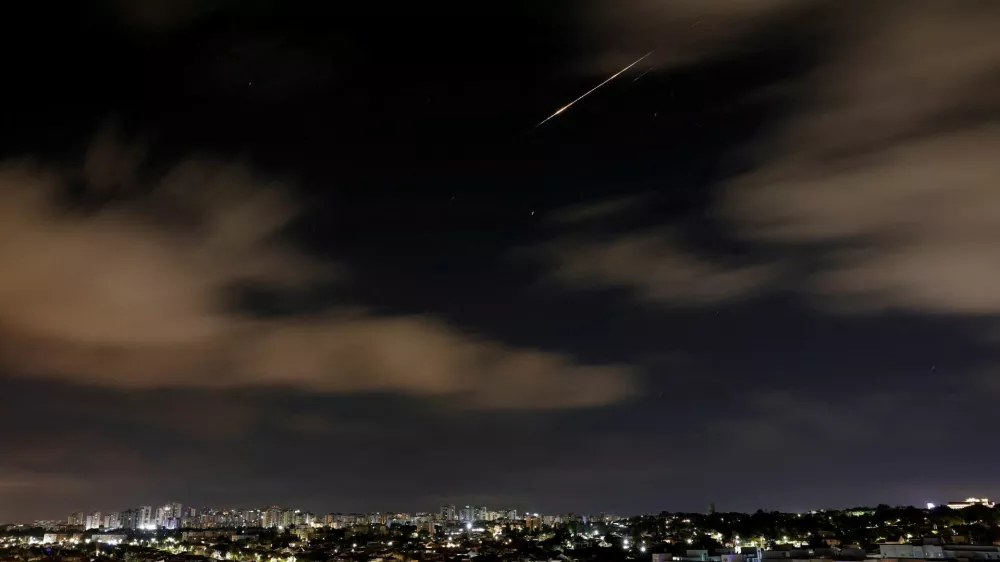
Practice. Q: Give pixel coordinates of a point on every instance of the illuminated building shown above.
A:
(304, 533)
(129, 519)
(75, 519)
(448, 513)
(970, 502)
(146, 520)
(249, 518)
(167, 516)
(93, 521)
(109, 539)
(272, 516)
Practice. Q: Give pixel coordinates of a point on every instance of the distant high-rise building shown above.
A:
(711, 509)
(146, 517)
(75, 519)
(448, 513)
(129, 519)
(249, 518)
(465, 515)
(167, 515)
(272, 516)
(93, 521)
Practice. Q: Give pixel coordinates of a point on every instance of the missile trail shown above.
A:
(652, 68)
(570, 104)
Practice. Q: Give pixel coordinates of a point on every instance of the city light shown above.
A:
(219, 542)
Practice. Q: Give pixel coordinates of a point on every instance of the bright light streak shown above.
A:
(613, 76)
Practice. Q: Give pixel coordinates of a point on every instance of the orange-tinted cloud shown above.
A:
(893, 164)
(135, 294)
(655, 268)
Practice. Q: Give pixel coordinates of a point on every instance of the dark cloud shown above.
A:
(892, 176)
(882, 179)
(681, 32)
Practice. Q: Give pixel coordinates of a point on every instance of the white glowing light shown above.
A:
(642, 549)
(930, 505)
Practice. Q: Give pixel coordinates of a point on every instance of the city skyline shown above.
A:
(322, 254)
(278, 516)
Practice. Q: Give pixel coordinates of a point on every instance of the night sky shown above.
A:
(318, 255)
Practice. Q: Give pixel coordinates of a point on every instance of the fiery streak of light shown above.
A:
(613, 76)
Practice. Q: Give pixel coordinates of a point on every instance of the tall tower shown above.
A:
(146, 520)
(711, 509)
